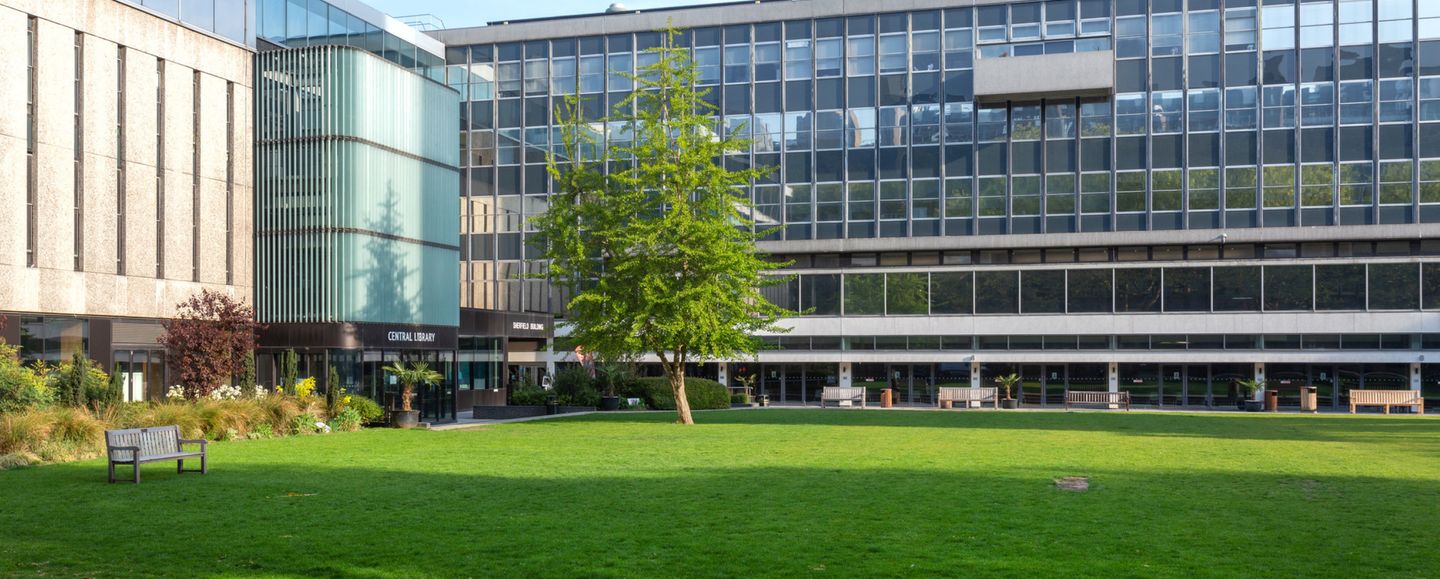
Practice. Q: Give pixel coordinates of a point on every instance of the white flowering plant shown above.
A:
(175, 393)
(226, 392)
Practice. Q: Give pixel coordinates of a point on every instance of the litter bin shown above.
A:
(887, 398)
(1272, 400)
(1308, 399)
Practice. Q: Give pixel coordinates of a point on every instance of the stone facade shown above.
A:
(53, 269)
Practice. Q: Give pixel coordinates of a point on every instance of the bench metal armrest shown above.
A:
(134, 451)
(200, 441)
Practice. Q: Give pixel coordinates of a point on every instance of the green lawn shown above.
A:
(764, 492)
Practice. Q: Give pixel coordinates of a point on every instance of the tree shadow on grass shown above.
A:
(248, 519)
(1338, 428)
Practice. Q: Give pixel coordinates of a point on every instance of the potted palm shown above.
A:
(1247, 389)
(417, 373)
(610, 376)
(1008, 381)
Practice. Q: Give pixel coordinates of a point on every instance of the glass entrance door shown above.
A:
(1032, 385)
(1055, 379)
(1197, 385)
(922, 384)
(1172, 385)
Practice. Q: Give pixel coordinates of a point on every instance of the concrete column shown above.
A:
(1260, 376)
(844, 375)
(724, 373)
(1415, 376)
(1113, 370)
(550, 357)
(975, 375)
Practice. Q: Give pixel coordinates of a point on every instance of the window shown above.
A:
(907, 294)
(1279, 186)
(997, 292)
(797, 59)
(860, 58)
(1356, 183)
(1279, 106)
(1204, 110)
(508, 77)
(829, 202)
(1137, 290)
(1025, 195)
(1167, 112)
(1240, 185)
(864, 294)
(861, 201)
(563, 76)
(959, 197)
(1317, 25)
(1317, 185)
(797, 130)
(1237, 289)
(737, 64)
(1060, 194)
(925, 199)
(1165, 190)
(1239, 29)
(767, 61)
(1094, 16)
(1340, 287)
(1130, 191)
(1395, 182)
(797, 203)
(1203, 36)
(1396, 100)
(892, 200)
(1395, 21)
(592, 73)
(1095, 193)
(1317, 104)
(893, 126)
(860, 128)
(951, 293)
(892, 53)
(1130, 38)
(1356, 22)
(1166, 34)
(1356, 100)
(925, 51)
(1288, 287)
(1394, 286)
(829, 54)
(707, 65)
(1204, 189)
(992, 196)
(1278, 32)
(1130, 114)
(1025, 21)
(1090, 291)
(959, 122)
(1240, 108)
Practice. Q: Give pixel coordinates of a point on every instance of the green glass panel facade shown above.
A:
(356, 216)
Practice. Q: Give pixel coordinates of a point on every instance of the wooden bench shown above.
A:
(840, 394)
(136, 446)
(1109, 399)
(1387, 398)
(968, 395)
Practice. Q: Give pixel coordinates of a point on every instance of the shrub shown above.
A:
(229, 419)
(529, 397)
(280, 413)
(369, 411)
(111, 393)
(573, 386)
(262, 430)
(347, 420)
(701, 393)
(74, 380)
(49, 435)
(181, 414)
(303, 423)
(21, 388)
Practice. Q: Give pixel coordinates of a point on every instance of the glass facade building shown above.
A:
(300, 23)
(1087, 192)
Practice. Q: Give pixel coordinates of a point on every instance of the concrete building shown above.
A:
(125, 140)
(1160, 197)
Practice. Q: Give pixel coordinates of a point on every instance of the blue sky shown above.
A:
(460, 13)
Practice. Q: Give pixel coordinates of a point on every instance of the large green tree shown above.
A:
(649, 235)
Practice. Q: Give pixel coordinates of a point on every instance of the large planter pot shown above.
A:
(609, 402)
(404, 418)
(1009, 403)
(1254, 405)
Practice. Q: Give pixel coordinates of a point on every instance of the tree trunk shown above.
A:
(677, 385)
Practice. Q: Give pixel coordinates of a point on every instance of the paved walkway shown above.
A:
(465, 419)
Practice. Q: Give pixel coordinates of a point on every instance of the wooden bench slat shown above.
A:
(136, 446)
(1098, 397)
(1387, 398)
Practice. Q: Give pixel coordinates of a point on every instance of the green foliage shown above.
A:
(611, 377)
(303, 423)
(369, 411)
(74, 381)
(658, 254)
(333, 391)
(526, 394)
(289, 370)
(574, 387)
(113, 392)
(248, 375)
(701, 393)
(21, 387)
(1007, 382)
(410, 377)
(348, 420)
(1248, 388)
(262, 431)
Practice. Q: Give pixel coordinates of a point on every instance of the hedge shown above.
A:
(703, 394)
